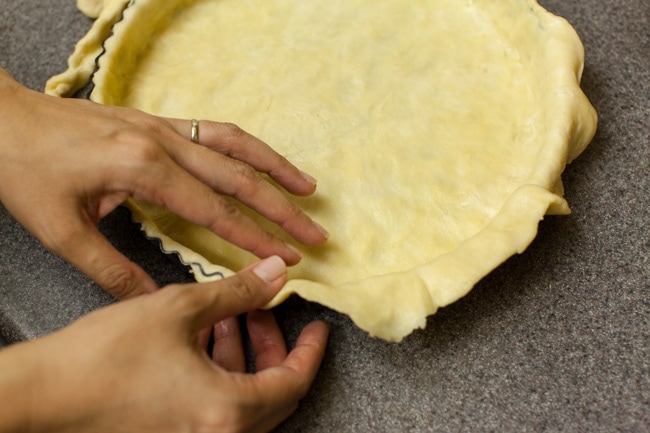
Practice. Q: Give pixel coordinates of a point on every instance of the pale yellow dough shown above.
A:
(437, 129)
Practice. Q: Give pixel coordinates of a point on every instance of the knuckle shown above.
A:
(261, 248)
(282, 163)
(58, 238)
(140, 147)
(280, 166)
(295, 212)
(294, 215)
(244, 288)
(231, 419)
(226, 217)
(146, 150)
(246, 176)
(225, 330)
(156, 125)
(183, 299)
(232, 131)
(119, 280)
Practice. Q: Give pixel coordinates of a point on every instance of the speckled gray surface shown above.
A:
(556, 339)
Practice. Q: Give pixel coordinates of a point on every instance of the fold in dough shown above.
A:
(438, 131)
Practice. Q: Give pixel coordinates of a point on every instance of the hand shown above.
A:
(137, 365)
(67, 163)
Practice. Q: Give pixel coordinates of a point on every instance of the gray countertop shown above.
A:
(555, 339)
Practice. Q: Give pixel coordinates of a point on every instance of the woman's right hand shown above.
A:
(138, 365)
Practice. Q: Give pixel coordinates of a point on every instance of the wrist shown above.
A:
(18, 383)
(38, 390)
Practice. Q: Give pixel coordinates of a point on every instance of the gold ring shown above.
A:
(195, 131)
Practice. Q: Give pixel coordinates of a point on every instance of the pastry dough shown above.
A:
(438, 131)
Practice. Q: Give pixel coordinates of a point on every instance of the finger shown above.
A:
(278, 389)
(227, 351)
(203, 338)
(230, 140)
(299, 368)
(87, 249)
(266, 339)
(173, 187)
(208, 303)
(152, 174)
(242, 182)
(238, 179)
(305, 358)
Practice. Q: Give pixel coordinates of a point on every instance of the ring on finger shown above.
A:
(195, 131)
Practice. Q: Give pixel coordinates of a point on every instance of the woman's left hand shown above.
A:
(67, 163)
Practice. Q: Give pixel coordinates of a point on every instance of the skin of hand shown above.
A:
(67, 163)
(138, 365)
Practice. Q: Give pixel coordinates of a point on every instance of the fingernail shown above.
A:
(309, 178)
(322, 230)
(270, 269)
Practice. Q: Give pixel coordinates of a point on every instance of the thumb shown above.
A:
(245, 291)
(93, 254)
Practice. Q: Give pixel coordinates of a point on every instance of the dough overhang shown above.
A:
(438, 131)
